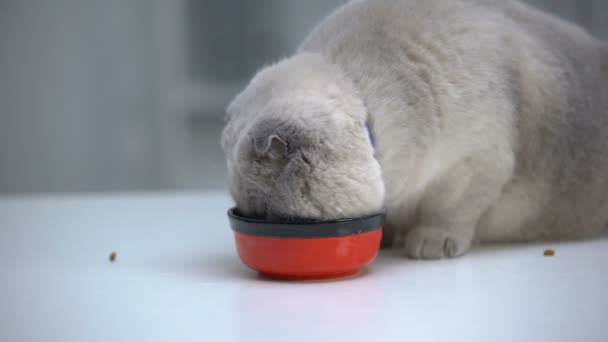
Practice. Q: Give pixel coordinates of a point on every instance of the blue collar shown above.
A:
(369, 133)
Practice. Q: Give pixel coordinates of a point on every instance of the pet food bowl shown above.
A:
(307, 250)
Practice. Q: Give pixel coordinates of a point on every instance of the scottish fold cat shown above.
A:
(489, 121)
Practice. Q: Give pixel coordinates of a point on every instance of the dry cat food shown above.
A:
(549, 253)
(112, 256)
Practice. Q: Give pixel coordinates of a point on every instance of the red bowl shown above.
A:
(307, 250)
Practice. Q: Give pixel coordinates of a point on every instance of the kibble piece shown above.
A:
(112, 256)
(549, 253)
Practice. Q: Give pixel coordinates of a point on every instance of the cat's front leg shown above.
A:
(451, 206)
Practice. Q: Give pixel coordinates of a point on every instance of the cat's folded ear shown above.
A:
(273, 138)
(271, 145)
(281, 139)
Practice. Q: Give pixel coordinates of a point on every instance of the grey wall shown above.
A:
(592, 14)
(82, 83)
(75, 96)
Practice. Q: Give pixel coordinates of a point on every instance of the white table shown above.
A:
(177, 278)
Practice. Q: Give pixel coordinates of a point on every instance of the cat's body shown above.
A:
(490, 122)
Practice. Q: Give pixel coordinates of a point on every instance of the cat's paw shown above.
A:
(436, 243)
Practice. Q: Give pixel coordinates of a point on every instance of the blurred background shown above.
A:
(124, 95)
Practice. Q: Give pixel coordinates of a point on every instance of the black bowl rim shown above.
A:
(304, 230)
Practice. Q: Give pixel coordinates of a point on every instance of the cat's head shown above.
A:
(297, 147)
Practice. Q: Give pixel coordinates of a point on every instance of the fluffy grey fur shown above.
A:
(490, 120)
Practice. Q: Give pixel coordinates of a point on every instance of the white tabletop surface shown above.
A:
(177, 278)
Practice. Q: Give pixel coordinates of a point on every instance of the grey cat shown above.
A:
(489, 117)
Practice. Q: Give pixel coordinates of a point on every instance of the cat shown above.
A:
(489, 121)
